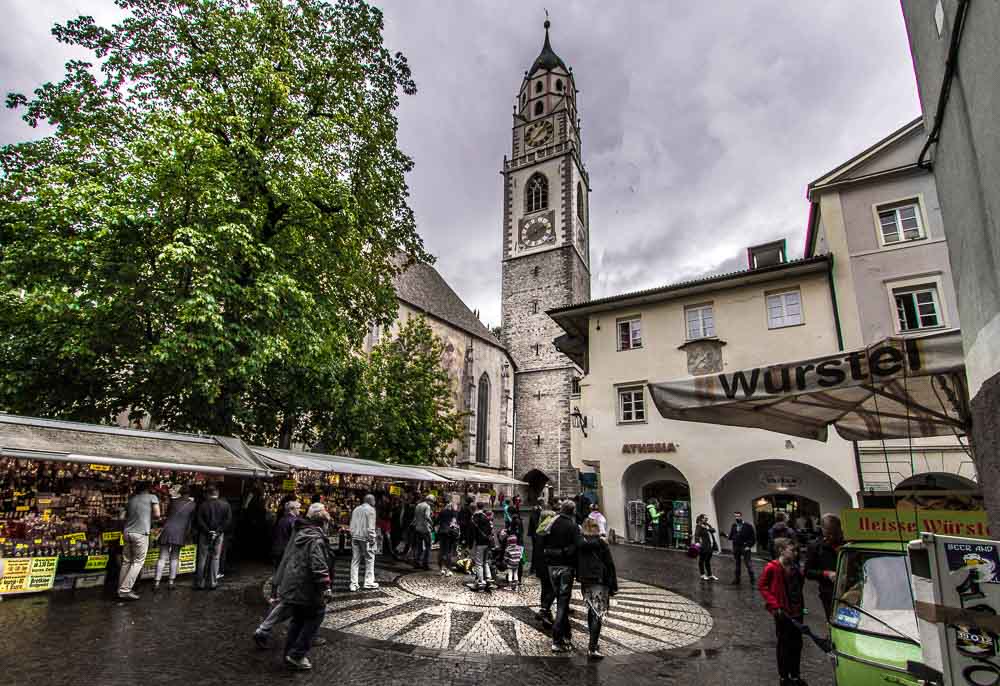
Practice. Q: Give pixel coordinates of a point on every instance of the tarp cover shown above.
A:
(475, 476)
(897, 388)
(336, 464)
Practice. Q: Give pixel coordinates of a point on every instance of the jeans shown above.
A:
(134, 549)
(562, 584)
(168, 553)
(789, 650)
(742, 557)
(423, 544)
(280, 612)
(207, 567)
(481, 564)
(360, 550)
(548, 593)
(705, 562)
(446, 554)
(306, 620)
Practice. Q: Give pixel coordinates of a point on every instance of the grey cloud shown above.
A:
(702, 122)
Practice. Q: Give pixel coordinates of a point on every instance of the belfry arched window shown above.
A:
(536, 194)
(539, 108)
(483, 420)
(538, 86)
(559, 85)
(581, 201)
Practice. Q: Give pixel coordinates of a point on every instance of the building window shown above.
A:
(536, 194)
(631, 405)
(539, 108)
(784, 309)
(524, 98)
(537, 349)
(630, 334)
(559, 85)
(581, 199)
(483, 419)
(575, 386)
(900, 223)
(534, 271)
(917, 307)
(700, 322)
(534, 307)
(538, 86)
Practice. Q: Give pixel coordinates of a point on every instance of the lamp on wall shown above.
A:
(579, 421)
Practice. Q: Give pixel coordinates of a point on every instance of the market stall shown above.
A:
(64, 486)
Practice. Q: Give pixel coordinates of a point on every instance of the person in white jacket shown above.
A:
(363, 542)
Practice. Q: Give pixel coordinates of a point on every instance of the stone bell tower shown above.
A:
(546, 264)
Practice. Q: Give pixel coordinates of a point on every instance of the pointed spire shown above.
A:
(547, 59)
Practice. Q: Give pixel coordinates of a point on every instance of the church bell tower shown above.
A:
(546, 264)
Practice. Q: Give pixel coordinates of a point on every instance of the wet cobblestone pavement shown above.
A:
(197, 638)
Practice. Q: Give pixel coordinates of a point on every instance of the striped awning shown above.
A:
(897, 388)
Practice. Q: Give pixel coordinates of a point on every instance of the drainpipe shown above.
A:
(833, 304)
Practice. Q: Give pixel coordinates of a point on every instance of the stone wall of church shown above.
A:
(543, 437)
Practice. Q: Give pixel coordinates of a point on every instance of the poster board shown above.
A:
(27, 574)
(185, 565)
(873, 524)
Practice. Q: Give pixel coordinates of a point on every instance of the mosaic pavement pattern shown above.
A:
(435, 612)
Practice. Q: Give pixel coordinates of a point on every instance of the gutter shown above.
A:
(833, 304)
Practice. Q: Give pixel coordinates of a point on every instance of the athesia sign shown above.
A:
(649, 448)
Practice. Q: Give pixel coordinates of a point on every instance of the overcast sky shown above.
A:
(702, 121)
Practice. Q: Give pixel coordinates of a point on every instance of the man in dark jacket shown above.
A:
(213, 518)
(821, 559)
(283, 531)
(304, 580)
(780, 529)
(482, 542)
(465, 521)
(743, 537)
(561, 556)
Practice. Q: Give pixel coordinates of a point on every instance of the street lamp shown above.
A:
(579, 421)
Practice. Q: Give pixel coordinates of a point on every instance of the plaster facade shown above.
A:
(703, 455)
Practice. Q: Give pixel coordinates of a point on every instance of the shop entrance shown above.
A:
(663, 483)
(801, 512)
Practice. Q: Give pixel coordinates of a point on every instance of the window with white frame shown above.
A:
(630, 333)
(700, 322)
(918, 307)
(784, 309)
(900, 223)
(631, 405)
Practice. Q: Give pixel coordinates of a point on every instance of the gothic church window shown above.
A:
(536, 195)
(483, 419)
(580, 201)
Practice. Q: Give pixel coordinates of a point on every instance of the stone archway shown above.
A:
(762, 488)
(662, 481)
(536, 480)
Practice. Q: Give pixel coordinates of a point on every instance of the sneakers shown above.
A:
(127, 596)
(595, 654)
(559, 648)
(448, 572)
(301, 664)
(370, 587)
(444, 572)
(260, 640)
(713, 578)
(704, 577)
(354, 588)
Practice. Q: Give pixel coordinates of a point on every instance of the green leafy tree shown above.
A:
(405, 412)
(213, 224)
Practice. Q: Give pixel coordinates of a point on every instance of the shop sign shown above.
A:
(27, 574)
(288, 485)
(73, 538)
(395, 490)
(96, 562)
(100, 468)
(779, 482)
(109, 536)
(649, 448)
(185, 563)
(907, 525)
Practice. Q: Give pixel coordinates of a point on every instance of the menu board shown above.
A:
(27, 574)
(185, 564)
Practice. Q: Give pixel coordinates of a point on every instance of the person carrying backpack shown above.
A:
(595, 570)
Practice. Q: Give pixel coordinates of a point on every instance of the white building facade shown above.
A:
(775, 313)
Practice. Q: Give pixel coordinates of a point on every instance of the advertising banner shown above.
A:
(185, 565)
(27, 574)
(869, 524)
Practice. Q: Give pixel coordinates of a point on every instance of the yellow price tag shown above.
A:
(111, 536)
(96, 562)
(100, 468)
(21, 508)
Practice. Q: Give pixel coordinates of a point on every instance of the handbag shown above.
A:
(694, 550)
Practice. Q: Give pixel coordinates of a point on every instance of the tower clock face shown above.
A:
(538, 133)
(536, 231)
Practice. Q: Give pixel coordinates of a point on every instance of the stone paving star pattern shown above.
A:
(431, 611)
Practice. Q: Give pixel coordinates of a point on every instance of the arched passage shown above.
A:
(663, 483)
(936, 491)
(761, 489)
(536, 480)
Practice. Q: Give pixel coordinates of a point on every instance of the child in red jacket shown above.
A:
(781, 587)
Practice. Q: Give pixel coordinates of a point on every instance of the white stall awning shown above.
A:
(337, 464)
(476, 476)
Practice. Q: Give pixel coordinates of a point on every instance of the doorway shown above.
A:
(801, 513)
